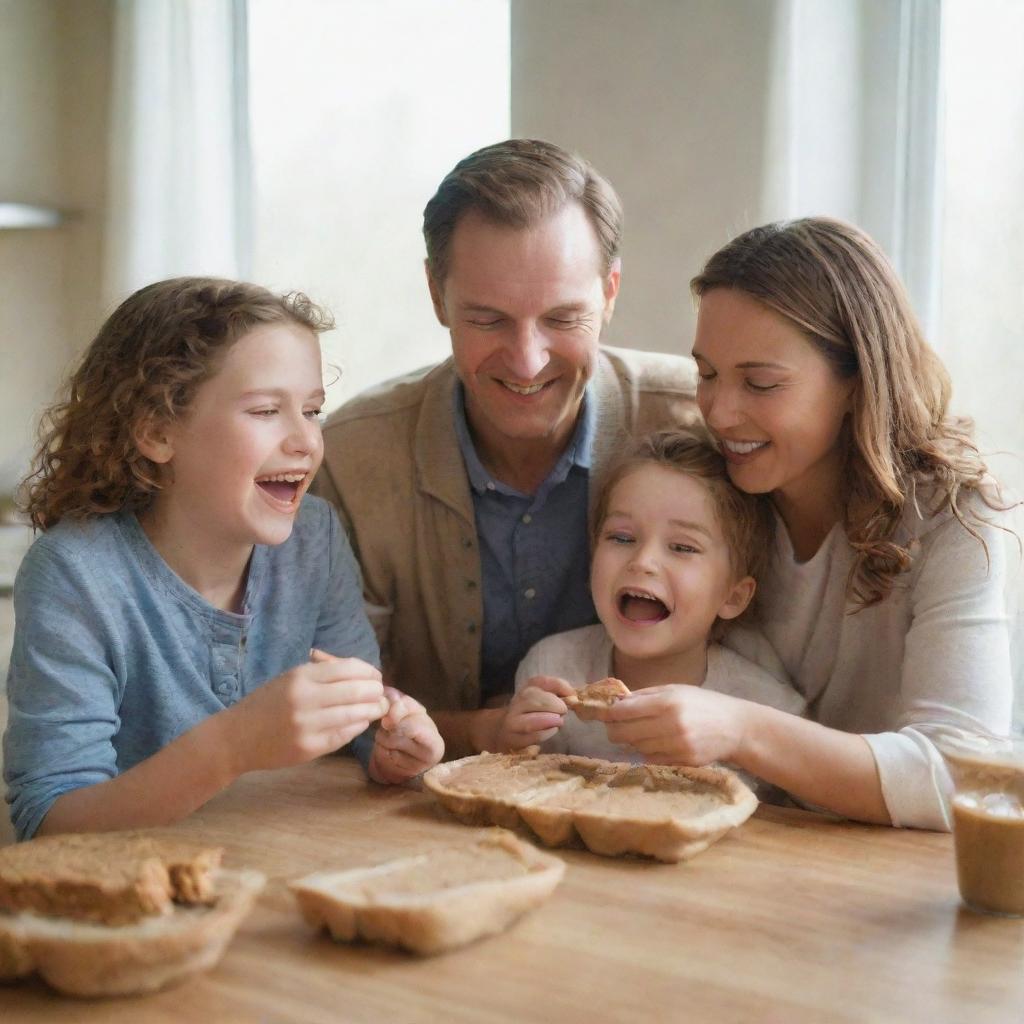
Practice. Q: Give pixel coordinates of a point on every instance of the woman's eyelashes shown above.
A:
(758, 387)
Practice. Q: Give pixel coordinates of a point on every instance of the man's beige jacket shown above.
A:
(393, 469)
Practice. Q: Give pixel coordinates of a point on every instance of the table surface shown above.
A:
(791, 918)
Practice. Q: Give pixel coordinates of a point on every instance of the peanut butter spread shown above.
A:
(112, 878)
(424, 875)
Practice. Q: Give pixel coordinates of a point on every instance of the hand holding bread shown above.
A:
(534, 714)
(407, 741)
(309, 711)
(676, 724)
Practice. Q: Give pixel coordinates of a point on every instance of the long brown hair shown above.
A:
(145, 365)
(834, 283)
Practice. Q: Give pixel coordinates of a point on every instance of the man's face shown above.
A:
(525, 308)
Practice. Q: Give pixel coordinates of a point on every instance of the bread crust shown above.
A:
(89, 959)
(667, 812)
(433, 921)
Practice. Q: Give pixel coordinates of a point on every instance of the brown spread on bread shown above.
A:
(107, 878)
(596, 696)
(665, 811)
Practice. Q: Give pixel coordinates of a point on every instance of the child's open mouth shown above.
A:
(638, 606)
(283, 487)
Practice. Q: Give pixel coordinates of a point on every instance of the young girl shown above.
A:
(886, 595)
(188, 614)
(675, 551)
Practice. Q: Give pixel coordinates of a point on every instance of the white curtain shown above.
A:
(179, 184)
(854, 126)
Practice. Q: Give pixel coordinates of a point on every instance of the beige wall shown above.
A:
(668, 100)
(54, 58)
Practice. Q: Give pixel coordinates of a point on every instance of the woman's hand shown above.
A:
(534, 714)
(305, 712)
(407, 741)
(677, 724)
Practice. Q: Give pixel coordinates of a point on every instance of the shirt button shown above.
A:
(490, 485)
(467, 542)
(529, 593)
(471, 627)
(527, 518)
(471, 584)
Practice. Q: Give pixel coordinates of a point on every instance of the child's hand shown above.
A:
(534, 714)
(407, 740)
(677, 724)
(305, 712)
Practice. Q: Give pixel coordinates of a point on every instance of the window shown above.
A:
(981, 327)
(357, 112)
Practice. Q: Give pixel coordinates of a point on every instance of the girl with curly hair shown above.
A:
(188, 612)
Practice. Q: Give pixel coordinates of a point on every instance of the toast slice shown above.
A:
(84, 958)
(434, 901)
(667, 812)
(110, 878)
(593, 698)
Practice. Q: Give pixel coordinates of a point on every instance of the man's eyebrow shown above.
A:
(477, 307)
(576, 306)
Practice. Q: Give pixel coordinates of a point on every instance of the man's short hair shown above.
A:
(518, 183)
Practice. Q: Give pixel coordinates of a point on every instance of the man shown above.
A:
(465, 486)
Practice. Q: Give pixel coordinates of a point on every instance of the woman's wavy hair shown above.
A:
(837, 286)
(144, 367)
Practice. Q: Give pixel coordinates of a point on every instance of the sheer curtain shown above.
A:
(855, 126)
(179, 166)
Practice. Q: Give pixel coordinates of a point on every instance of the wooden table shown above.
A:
(792, 918)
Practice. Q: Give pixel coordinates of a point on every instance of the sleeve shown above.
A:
(545, 658)
(751, 678)
(343, 628)
(63, 689)
(376, 608)
(956, 673)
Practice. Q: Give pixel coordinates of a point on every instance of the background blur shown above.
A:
(295, 142)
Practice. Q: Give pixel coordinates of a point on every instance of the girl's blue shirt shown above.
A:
(115, 655)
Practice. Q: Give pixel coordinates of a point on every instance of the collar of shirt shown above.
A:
(578, 452)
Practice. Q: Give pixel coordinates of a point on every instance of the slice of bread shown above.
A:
(593, 698)
(110, 878)
(84, 958)
(434, 901)
(667, 812)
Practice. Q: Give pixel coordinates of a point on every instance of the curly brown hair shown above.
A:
(144, 366)
(837, 286)
(746, 520)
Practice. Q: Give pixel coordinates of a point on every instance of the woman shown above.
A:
(886, 596)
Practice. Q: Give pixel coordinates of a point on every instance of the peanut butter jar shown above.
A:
(988, 820)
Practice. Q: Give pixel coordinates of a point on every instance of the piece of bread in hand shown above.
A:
(117, 913)
(595, 697)
(433, 901)
(668, 812)
(108, 877)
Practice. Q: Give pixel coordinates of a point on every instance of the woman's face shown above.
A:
(773, 401)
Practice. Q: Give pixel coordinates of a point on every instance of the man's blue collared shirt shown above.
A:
(534, 551)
